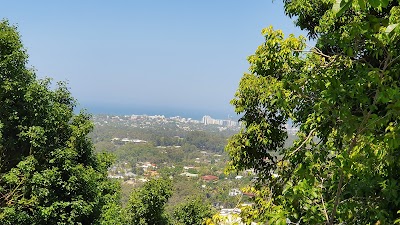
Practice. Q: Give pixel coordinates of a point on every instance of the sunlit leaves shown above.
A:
(343, 95)
(342, 5)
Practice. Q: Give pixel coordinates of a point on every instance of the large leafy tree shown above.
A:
(146, 204)
(344, 96)
(48, 172)
(194, 211)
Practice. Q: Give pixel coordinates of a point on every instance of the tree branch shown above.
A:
(7, 197)
(325, 212)
(323, 202)
(360, 129)
(308, 137)
(391, 62)
(337, 197)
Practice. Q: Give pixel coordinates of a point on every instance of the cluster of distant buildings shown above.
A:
(127, 140)
(207, 120)
(144, 121)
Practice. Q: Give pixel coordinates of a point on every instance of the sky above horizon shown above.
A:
(132, 55)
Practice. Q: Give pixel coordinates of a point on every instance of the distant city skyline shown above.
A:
(208, 120)
(172, 55)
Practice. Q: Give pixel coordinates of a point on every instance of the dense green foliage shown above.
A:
(146, 204)
(344, 96)
(48, 173)
(193, 212)
(159, 136)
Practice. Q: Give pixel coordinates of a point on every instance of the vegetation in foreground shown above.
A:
(49, 174)
(344, 96)
(49, 171)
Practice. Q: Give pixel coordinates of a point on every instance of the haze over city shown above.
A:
(146, 57)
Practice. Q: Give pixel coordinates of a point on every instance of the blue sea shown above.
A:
(120, 109)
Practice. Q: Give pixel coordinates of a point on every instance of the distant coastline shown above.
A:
(196, 114)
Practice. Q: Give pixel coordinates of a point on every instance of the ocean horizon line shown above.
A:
(196, 114)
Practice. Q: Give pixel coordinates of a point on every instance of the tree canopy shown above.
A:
(146, 204)
(193, 212)
(343, 94)
(48, 172)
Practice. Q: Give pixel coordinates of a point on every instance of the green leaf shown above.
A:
(350, 52)
(375, 3)
(384, 3)
(390, 28)
(341, 6)
(362, 4)
(336, 7)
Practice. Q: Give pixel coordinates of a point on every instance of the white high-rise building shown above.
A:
(208, 120)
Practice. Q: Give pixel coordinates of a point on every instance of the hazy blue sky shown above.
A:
(131, 56)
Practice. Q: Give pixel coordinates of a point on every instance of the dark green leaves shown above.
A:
(48, 173)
